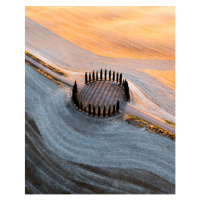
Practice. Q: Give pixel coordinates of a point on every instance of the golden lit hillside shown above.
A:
(165, 77)
(127, 32)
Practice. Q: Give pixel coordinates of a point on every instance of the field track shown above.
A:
(85, 96)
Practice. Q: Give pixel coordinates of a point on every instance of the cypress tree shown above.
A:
(73, 93)
(75, 87)
(93, 78)
(89, 108)
(113, 109)
(104, 111)
(101, 74)
(128, 95)
(105, 74)
(72, 96)
(113, 75)
(120, 79)
(94, 113)
(75, 100)
(77, 103)
(109, 111)
(99, 111)
(97, 76)
(89, 77)
(118, 106)
(126, 83)
(81, 106)
(86, 78)
(109, 75)
(117, 77)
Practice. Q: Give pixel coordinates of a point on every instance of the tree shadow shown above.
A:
(100, 93)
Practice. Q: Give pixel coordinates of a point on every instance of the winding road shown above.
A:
(128, 108)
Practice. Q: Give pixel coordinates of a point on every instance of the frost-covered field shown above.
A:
(69, 152)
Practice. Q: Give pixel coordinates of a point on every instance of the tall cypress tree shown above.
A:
(104, 111)
(113, 109)
(77, 103)
(94, 110)
(89, 77)
(125, 84)
(75, 87)
(73, 94)
(86, 80)
(99, 111)
(113, 75)
(117, 77)
(89, 109)
(105, 74)
(109, 111)
(110, 75)
(97, 76)
(81, 106)
(75, 100)
(120, 79)
(93, 77)
(101, 74)
(128, 95)
(118, 106)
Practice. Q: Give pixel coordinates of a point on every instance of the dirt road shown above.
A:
(128, 108)
(134, 111)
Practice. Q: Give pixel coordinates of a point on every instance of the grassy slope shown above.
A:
(128, 32)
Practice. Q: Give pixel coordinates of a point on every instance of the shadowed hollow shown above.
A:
(100, 93)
